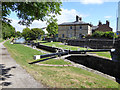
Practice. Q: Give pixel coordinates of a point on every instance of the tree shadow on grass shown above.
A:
(4, 74)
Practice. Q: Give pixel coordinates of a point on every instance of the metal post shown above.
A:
(113, 38)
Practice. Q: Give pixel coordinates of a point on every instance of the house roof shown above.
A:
(94, 27)
(75, 23)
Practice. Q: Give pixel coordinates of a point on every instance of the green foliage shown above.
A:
(30, 11)
(26, 33)
(32, 34)
(108, 34)
(18, 34)
(36, 32)
(52, 28)
(8, 30)
(98, 34)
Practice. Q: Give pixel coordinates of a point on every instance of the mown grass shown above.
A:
(104, 54)
(59, 45)
(60, 77)
(1, 40)
(26, 54)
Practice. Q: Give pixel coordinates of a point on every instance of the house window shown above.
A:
(70, 27)
(80, 27)
(62, 35)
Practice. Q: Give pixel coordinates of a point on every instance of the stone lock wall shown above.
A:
(117, 51)
(92, 43)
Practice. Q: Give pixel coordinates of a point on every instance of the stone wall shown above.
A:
(92, 43)
(116, 54)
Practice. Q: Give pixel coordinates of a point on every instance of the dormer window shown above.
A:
(80, 27)
(70, 27)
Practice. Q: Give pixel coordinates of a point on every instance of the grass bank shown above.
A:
(60, 77)
(60, 45)
(1, 40)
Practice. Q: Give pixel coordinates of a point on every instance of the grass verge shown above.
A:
(60, 77)
(1, 40)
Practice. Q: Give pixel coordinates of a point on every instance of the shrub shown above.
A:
(98, 34)
(108, 34)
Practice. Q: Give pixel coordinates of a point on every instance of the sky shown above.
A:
(91, 11)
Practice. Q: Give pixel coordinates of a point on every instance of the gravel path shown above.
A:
(13, 75)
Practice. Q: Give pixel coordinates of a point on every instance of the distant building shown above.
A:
(118, 19)
(76, 29)
(102, 27)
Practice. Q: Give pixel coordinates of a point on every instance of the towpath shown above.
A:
(13, 75)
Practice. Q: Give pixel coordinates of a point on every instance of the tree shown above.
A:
(26, 33)
(18, 34)
(36, 32)
(8, 30)
(30, 11)
(52, 28)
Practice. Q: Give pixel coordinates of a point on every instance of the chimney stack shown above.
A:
(78, 19)
(100, 23)
(107, 23)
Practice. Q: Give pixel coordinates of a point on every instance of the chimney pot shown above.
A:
(80, 18)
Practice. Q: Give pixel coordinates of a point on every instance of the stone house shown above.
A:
(74, 29)
(102, 27)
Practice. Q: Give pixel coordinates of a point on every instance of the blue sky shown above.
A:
(91, 11)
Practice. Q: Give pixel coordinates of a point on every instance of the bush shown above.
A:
(98, 34)
(108, 34)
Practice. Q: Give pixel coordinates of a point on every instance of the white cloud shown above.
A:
(17, 26)
(107, 17)
(69, 15)
(91, 1)
(66, 16)
(94, 1)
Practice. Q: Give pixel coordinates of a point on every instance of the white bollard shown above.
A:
(36, 57)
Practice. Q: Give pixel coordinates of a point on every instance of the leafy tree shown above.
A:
(8, 30)
(36, 32)
(30, 11)
(32, 34)
(26, 33)
(52, 28)
(18, 34)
